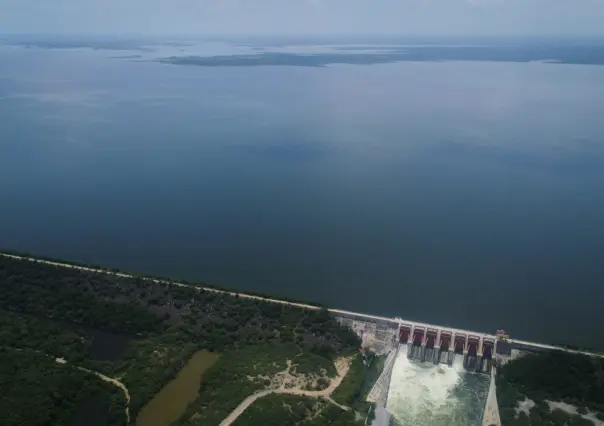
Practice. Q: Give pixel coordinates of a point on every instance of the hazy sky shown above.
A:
(584, 17)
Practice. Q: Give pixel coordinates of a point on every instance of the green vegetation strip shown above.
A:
(361, 377)
(25, 255)
(350, 388)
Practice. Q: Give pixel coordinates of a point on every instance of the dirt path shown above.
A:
(108, 379)
(342, 366)
(101, 376)
(115, 382)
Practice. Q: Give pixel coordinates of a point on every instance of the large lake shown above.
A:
(467, 193)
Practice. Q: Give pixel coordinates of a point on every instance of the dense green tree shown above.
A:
(37, 391)
(551, 376)
(168, 323)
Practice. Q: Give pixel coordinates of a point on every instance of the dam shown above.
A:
(434, 375)
(422, 393)
(444, 346)
(418, 386)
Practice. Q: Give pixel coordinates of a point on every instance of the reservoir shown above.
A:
(463, 193)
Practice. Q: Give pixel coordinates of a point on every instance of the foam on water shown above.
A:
(424, 394)
(458, 364)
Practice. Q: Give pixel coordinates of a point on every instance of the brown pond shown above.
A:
(171, 402)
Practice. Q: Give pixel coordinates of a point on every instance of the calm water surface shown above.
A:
(461, 193)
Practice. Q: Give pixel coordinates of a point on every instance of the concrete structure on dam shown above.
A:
(466, 342)
(481, 353)
(423, 342)
(380, 335)
(428, 343)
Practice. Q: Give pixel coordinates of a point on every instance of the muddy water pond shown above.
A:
(171, 402)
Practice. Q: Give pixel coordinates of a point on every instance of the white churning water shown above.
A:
(424, 394)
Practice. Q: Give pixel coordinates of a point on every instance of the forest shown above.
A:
(549, 377)
(167, 324)
(36, 390)
(25, 332)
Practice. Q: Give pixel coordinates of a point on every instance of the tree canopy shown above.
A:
(40, 303)
(551, 376)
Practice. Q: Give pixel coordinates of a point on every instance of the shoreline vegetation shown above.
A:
(552, 388)
(255, 342)
(271, 296)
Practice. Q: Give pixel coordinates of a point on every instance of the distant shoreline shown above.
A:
(559, 55)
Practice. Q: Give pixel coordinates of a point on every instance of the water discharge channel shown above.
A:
(424, 394)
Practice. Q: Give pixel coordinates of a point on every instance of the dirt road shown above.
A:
(115, 382)
(342, 366)
(108, 379)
